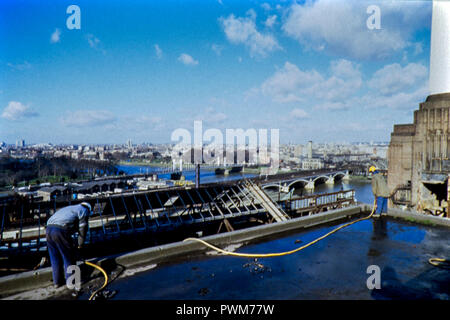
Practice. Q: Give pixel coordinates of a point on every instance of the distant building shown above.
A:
(312, 164)
(310, 150)
(99, 186)
(298, 151)
(20, 143)
(51, 193)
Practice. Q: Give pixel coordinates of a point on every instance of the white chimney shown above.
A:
(440, 48)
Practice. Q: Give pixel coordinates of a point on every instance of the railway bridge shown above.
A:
(308, 181)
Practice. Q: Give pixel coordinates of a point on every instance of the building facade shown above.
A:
(419, 153)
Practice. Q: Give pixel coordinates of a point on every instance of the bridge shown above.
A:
(183, 167)
(307, 181)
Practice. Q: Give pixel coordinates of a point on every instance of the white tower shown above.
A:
(310, 150)
(440, 48)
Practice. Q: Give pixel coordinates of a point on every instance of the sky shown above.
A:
(318, 70)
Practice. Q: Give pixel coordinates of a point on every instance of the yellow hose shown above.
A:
(104, 274)
(438, 262)
(279, 254)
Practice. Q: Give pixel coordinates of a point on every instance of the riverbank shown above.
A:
(360, 178)
(145, 164)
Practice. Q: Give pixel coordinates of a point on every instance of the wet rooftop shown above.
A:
(334, 268)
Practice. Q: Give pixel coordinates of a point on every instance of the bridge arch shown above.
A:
(340, 175)
(301, 182)
(324, 178)
(271, 186)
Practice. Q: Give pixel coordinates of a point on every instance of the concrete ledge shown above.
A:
(30, 280)
(412, 216)
(25, 281)
(421, 218)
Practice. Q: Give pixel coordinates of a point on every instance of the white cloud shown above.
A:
(331, 106)
(217, 49)
(20, 66)
(340, 27)
(211, 115)
(158, 51)
(242, 30)
(266, 6)
(251, 14)
(400, 100)
(393, 78)
(17, 111)
(344, 81)
(187, 60)
(299, 114)
(142, 124)
(291, 84)
(93, 41)
(149, 120)
(270, 21)
(88, 118)
(56, 35)
(418, 48)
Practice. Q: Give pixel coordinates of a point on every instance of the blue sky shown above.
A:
(140, 69)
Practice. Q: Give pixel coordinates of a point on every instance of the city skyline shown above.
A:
(129, 142)
(141, 70)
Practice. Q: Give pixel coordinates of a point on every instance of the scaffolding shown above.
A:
(157, 211)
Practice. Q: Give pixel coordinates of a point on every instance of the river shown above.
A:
(363, 190)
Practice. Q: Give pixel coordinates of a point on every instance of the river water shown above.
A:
(206, 176)
(363, 191)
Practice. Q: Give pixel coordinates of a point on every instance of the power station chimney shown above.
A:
(440, 48)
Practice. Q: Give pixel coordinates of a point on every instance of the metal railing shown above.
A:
(319, 202)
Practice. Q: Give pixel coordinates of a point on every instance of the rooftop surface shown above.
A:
(334, 268)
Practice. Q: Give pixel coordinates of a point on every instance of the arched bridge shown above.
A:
(307, 182)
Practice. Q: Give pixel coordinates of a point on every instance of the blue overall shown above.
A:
(61, 250)
(60, 244)
(381, 205)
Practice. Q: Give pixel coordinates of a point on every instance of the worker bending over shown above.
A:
(61, 246)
